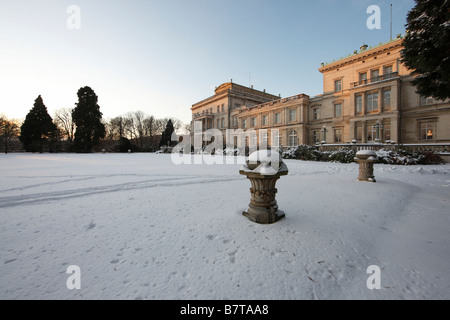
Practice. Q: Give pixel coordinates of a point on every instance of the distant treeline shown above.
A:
(83, 129)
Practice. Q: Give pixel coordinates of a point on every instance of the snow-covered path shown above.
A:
(140, 227)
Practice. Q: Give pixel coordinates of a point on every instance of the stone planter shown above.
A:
(366, 160)
(263, 172)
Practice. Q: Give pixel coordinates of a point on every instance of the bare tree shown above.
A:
(63, 120)
(118, 127)
(139, 128)
(129, 126)
(149, 126)
(187, 128)
(8, 129)
(177, 124)
(160, 125)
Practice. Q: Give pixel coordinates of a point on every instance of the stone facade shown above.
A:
(367, 97)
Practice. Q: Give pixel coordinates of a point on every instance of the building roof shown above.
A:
(364, 53)
(231, 87)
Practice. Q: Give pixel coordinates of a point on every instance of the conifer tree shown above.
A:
(427, 47)
(88, 121)
(166, 139)
(37, 128)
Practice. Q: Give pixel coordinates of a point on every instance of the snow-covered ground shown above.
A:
(140, 227)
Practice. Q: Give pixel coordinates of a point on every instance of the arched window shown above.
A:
(293, 139)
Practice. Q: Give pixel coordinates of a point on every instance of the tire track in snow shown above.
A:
(38, 198)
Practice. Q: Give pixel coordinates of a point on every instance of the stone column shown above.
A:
(263, 175)
(263, 207)
(366, 160)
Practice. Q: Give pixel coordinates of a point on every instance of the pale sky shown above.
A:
(163, 56)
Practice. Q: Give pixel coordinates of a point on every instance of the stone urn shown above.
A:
(263, 168)
(366, 159)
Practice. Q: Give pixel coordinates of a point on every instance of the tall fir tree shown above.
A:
(37, 128)
(166, 139)
(427, 47)
(87, 119)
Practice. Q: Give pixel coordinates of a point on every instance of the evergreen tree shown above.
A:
(87, 118)
(166, 139)
(37, 128)
(427, 47)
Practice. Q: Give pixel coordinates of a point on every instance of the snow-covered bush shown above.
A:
(343, 155)
(303, 152)
(401, 155)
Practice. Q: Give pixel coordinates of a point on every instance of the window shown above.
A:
(222, 123)
(254, 140)
(386, 132)
(218, 109)
(277, 118)
(218, 124)
(244, 123)
(292, 115)
(315, 137)
(293, 138)
(426, 101)
(276, 136)
(265, 138)
(387, 72)
(338, 110)
(371, 133)
(316, 114)
(359, 103)
(372, 101)
(234, 121)
(363, 78)
(427, 131)
(337, 135)
(375, 75)
(223, 108)
(245, 141)
(359, 133)
(338, 86)
(253, 122)
(265, 120)
(387, 99)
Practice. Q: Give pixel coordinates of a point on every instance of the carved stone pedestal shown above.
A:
(366, 160)
(263, 208)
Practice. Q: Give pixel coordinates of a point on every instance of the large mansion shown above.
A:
(367, 97)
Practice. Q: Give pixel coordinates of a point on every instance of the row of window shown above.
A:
(372, 133)
(253, 122)
(221, 108)
(253, 139)
(363, 77)
(372, 104)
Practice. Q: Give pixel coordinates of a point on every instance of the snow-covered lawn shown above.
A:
(141, 227)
